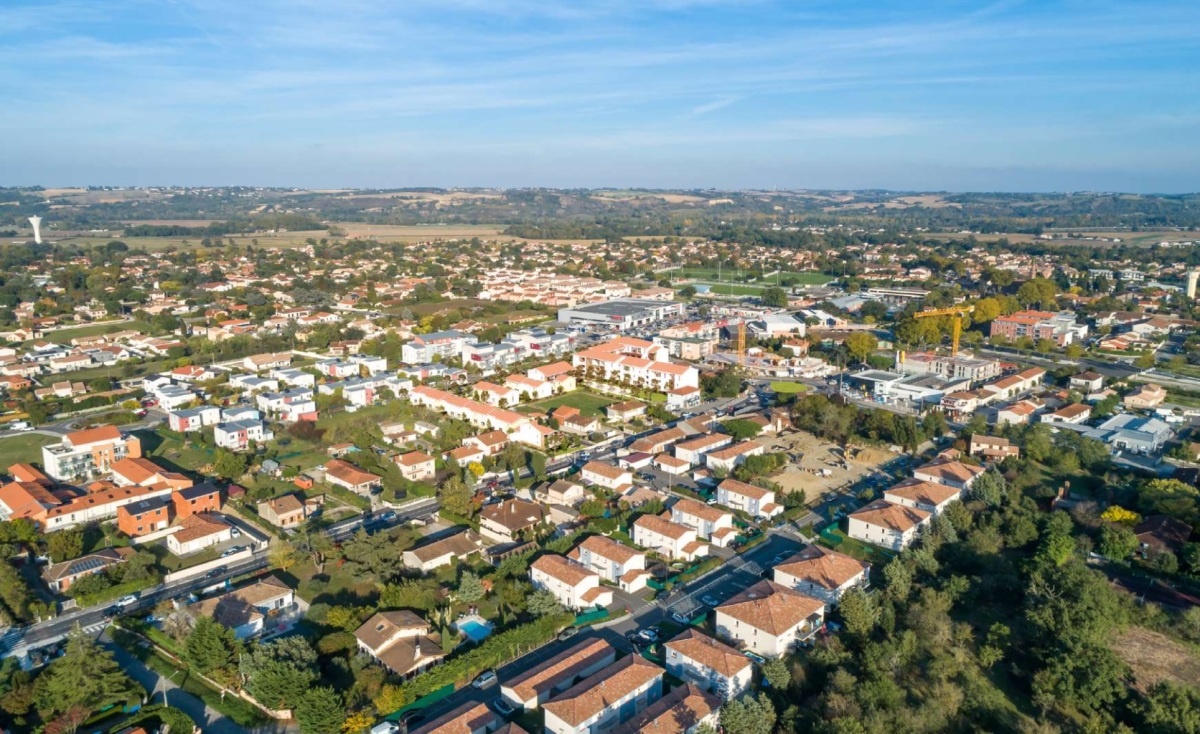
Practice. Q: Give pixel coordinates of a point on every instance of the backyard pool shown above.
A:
(476, 628)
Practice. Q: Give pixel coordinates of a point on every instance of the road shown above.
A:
(722, 583)
(20, 640)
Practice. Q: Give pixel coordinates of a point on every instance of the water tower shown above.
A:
(1192, 277)
(37, 229)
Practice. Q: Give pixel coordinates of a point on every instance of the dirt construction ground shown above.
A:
(808, 455)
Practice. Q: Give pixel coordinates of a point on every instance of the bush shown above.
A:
(336, 642)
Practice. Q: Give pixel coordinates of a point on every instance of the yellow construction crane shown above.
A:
(957, 312)
(741, 343)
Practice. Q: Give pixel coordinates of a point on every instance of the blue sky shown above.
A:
(947, 95)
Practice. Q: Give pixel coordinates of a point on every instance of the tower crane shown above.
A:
(955, 311)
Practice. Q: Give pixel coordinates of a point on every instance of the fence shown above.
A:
(586, 618)
(200, 568)
(422, 702)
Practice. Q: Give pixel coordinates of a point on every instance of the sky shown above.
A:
(947, 95)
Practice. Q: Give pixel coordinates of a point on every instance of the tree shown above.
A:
(359, 722)
(456, 497)
(282, 554)
(859, 611)
(470, 588)
(86, 677)
(229, 465)
(542, 603)
(861, 344)
(1170, 708)
(1169, 497)
(742, 430)
(1117, 543)
(210, 647)
(986, 311)
(774, 297)
(65, 545)
(776, 673)
(748, 715)
(321, 711)
(688, 291)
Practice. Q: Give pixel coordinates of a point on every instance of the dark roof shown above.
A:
(1167, 530)
(197, 491)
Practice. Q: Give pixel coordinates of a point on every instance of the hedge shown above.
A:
(116, 592)
(178, 721)
(492, 653)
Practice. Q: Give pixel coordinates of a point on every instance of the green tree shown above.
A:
(1170, 708)
(228, 464)
(775, 672)
(774, 297)
(470, 588)
(742, 430)
(210, 647)
(543, 603)
(859, 611)
(1117, 542)
(85, 677)
(688, 291)
(65, 545)
(748, 715)
(456, 497)
(321, 711)
(861, 344)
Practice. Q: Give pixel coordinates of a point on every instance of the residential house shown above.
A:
(823, 574)
(187, 501)
(950, 472)
(197, 532)
(670, 540)
(561, 492)
(575, 586)
(694, 657)
(505, 521)
(626, 410)
(193, 419)
(992, 448)
(710, 523)
(470, 718)
(605, 475)
(443, 552)
(613, 695)
(400, 641)
(684, 710)
(770, 618)
(531, 688)
(60, 576)
(1147, 397)
(887, 525)
(101, 503)
(284, 512)
(731, 457)
(1076, 414)
(248, 610)
(614, 562)
(1162, 534)
(1087, 382)
(693, 450)
(416, 466)
(144, 517)
(344, 474)
(237, 435)
(932, 497)
(754, 501)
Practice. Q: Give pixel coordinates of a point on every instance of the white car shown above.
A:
(486, 679)
(126, 600)
(385, 727)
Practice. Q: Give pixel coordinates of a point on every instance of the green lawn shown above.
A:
(727, 289)
(807, 278)
(789, 388)
(853, 548)
(65, 335)
(23, 449)
(588, 403)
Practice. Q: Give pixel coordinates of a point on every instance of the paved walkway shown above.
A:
(207, 718)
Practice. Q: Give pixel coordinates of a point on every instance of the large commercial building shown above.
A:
(623, 313)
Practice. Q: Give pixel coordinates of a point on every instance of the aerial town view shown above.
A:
(678, 367)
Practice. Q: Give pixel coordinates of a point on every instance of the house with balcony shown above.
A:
(694, 657)
(822, 573)
(753, 500)
(770, 618)
(670, 540)
(400, 641)
(710, 523)
(887, 525)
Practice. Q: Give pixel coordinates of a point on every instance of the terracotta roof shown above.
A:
(661, 526)
(606, 547)
(605, 470)
(466, 719)
(733, 486)
(678, 712)
(949, 469)
(514, 514)
(237, 607)
(460, 544)
(603, 690)
(285, 505)
(349, 473)
(709, 652)
(93, 435)
(771, 607)
(137, 470)
(103, 497)
(698, 509)
(822, 567)
(412, 458)
(380, 628)
(87, 563)
(926, 493)
(565, 666)
(563, 569)
(200, 525)
(891, 516)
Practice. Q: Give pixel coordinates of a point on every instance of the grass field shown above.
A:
(65, 335)
(789, 388)
(587, 402)
(23, 449)
(728, 289)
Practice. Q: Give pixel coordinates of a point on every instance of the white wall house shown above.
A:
(886, 524)
(575, 586)
(668, 539)
(770, 618)
(822, 573)
(694, 657)
(613, 561)
(610, 697)
(748, 498)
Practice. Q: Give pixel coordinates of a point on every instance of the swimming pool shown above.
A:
(475, 628)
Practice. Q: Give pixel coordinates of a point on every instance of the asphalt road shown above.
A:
(19, 640)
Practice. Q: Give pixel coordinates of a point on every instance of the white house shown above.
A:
(887, 525)
(613, 561)
(928, 496)
(610, 697)
(712, 665)
(248, 610)
(710, 523)
(754, 501)
(731, 457)
(575, 586)
(416, 466)
(668, 539)
(693, 450)
(822, 573)
(605, 475)
(533, 687)
(197, 532)
(443, 552)
(186, 421)
(949, 471)
(770, 618)
(237, 435)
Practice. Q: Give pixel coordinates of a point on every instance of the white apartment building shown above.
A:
(694, 657)
(89, 453)
(635, 362)
(575, 586)
(822, 573)
(668, 539)
(770, 618)
(605, 475)
(710, 523)
(610, 697)
(887, 525)
(754, 501)
(613, 562)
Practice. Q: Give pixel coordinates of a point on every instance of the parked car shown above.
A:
(568, 633)
(235, 532)
(411, 719)
(503, 707)
(387, 516)
(680, 618)
(486, 679)
(230, 551)
(216, 572)
(127, 600)
(385, 727)
(650, 635)
(709, 600)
